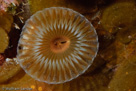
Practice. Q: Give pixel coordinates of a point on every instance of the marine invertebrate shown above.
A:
(57, 45)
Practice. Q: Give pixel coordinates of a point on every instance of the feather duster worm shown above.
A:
(57, 45)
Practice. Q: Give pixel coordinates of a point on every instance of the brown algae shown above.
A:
(118, 16)
(4, 40)
(6, 21)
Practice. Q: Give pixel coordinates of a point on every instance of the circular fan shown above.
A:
(57, 45)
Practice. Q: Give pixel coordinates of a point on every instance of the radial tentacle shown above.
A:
(57, 45)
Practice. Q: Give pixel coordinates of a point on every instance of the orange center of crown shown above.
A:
(59, 44)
